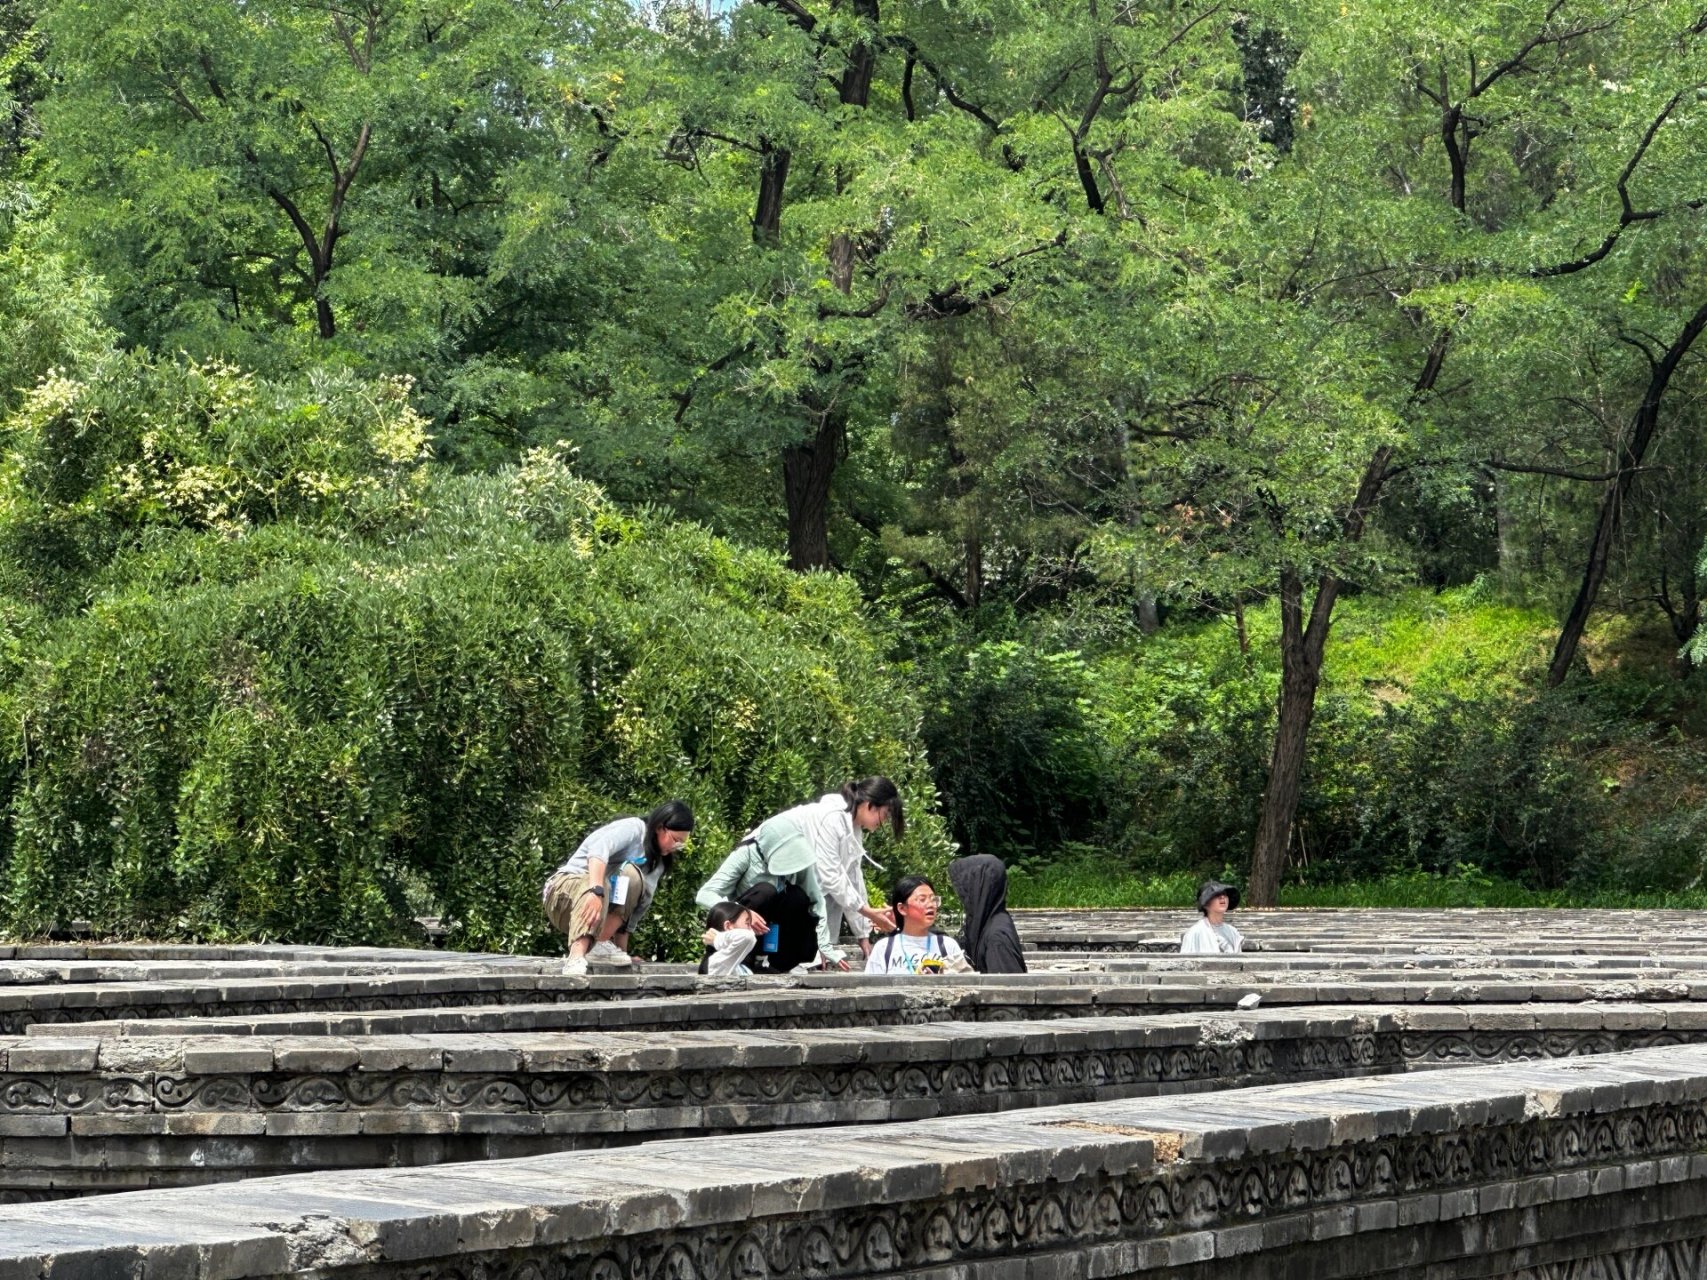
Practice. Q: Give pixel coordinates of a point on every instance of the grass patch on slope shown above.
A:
(1083, 885)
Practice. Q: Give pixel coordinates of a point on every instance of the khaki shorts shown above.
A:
(636, 902)
(563, 894)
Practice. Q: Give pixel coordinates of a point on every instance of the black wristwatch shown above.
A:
(598, 891)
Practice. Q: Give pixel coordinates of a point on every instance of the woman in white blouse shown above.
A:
(837, 824)
(800, 870)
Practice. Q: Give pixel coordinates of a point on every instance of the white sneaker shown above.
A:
(575, 966)
(609, 953)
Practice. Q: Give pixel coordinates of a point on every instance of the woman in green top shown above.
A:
(774, 873)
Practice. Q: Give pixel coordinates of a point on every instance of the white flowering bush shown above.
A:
(96, 460)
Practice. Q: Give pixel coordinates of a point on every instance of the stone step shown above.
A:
(1367, 931)
(267, 952)
(19, 973)
(102, 992)
(23, 1006)
(666, 1001)
(1579, 1165)
(1055, 966)
(85, 1115)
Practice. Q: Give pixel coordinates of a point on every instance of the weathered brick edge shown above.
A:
(1569, 1159)
(672, 1002)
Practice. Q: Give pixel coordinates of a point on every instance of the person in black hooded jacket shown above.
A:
(990, 940)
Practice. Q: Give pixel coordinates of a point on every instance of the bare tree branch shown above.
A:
(943, 83)
(1564, 473)
(797, 13)
(1629, 213)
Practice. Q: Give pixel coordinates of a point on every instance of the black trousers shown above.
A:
(791, 910)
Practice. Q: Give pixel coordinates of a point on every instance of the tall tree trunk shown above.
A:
(807, 470)
(1630, 455)
(1149, 616)
(321, 248)
(773, 177)
(1301, 650)
(974, 559)
(855, 88)
(1302, 647)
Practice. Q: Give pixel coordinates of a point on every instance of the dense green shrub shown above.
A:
(1443, 779)
(1017, 759)
(1064, 732)
(277, 719)
(92, 461)
(1187, 725)
(49, 314)
(1435, 753)
(1459, 757)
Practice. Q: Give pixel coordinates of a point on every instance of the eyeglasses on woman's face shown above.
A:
(869, 816)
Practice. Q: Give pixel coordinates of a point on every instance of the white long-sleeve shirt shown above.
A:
(729, 952)
(1205, 939)
(840, 848)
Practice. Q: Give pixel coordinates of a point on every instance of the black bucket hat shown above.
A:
(1213, 887)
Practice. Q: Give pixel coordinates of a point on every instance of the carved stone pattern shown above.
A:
(24, 1094)
(1179, 1197)
(204, 1093)
(1673, 1260)
(1478, 1047)
(1076, 1074)
(301, 1093)
(792, 1018)
(1084, 1074)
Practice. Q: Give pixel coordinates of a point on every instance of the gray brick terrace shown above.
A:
(1406, 1099)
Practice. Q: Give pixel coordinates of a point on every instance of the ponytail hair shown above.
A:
(881, 792)
(672, 815)
(723, 913)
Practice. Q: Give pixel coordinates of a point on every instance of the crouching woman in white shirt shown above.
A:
(1212, 935)
(915, 947)
(837, 825)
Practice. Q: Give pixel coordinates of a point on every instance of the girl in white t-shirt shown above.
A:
(915, 947)
(1212, 935)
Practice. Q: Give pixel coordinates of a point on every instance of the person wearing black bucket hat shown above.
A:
(1212, 935)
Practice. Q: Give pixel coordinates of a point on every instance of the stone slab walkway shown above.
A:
(1378, 931)
(1425, 1094)
(1515, 1161)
